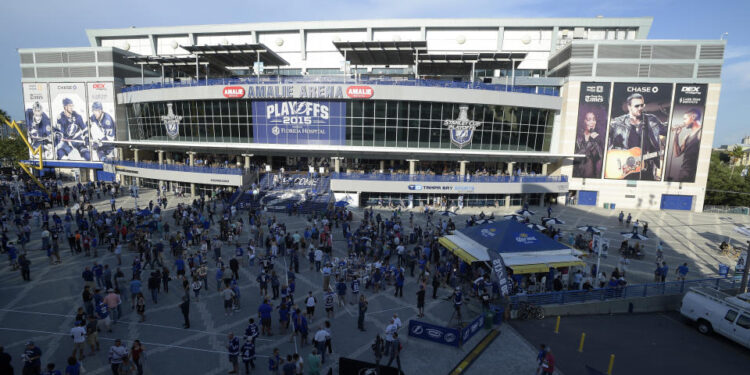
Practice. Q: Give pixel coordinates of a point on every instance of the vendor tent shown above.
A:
(522, 249)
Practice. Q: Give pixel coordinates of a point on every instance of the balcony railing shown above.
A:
(177, 167)
(551, 91)
(446, 178)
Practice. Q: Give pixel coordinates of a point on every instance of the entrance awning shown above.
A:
(455, 249)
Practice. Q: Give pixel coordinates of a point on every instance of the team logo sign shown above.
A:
(171, 122)
(462, 129)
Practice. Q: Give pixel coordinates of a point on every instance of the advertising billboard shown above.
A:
(299, 122)
(69, 122)
(685, 132)
(636, 137)
(38, 119)
(591, 132)
(101, 121)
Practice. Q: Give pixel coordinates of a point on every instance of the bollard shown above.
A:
(580, 347)
(557, 325)
(611, 363)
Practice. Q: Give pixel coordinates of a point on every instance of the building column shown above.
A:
(247, 160)
(160, 154)
(382, 166)
(135, 158)
(412, 165)
(544, 168)
(191, 154)
(510, 168)
(462, 168)
(337, 164)
(119, 153)
(507, 201)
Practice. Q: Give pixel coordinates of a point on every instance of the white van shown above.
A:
(713, 310)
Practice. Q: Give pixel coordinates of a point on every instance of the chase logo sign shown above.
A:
(462, 129)
(171, 122)
(524, 238)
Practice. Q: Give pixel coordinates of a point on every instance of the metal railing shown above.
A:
(446, 178)
(550, 91)
(177, 167)
(726, 210)
(630, 291)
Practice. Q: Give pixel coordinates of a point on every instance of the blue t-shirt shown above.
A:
(135, 286)
(265, 311)
(683, 270)
(180, 264)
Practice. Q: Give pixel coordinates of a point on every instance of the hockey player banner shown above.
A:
(685, 132)
(638, 131)
(38, 121)
(101, 121)
(70, 132)
(299, 122)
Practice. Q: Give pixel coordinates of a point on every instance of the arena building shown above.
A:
(476, 112)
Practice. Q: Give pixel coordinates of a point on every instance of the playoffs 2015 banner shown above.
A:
(592, 129)
(38, 119)
(637, 131)
(299, 122)
(685, 132)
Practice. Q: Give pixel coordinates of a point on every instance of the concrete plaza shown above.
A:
(43, 310)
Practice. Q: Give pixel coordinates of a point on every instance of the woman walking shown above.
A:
(140, 306)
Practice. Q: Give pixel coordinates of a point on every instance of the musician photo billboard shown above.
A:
(640, 136)
(685, 132)
(71, 133)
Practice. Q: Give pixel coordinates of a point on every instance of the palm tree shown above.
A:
(736, 154)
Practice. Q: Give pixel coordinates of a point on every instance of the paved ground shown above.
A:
(43, 309)
(660, 343)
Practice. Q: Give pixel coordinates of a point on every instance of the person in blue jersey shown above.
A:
(40, 127)
(103, 128)
(71, 133)
(233, 347)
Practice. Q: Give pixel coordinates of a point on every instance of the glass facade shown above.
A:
(370, 123)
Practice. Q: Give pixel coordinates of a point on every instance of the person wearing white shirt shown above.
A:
(320, 342)
(79, 339)
(389, 331)
(397, 322)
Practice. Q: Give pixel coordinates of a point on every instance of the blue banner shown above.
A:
(431, 332)
(292, 122)
(470, 330)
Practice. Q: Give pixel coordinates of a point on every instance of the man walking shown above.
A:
(32, 359)
(78, 333)
(116, 355)
(185, 308)
(320, 342)
(395, 352)
(362, 311)
(233, 347)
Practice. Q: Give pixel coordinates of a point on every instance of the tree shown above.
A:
(13, 150)
(722, 187)
(736, 154)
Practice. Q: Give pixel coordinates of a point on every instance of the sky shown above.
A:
(54, 23)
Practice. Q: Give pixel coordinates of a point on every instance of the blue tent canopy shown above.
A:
(509, 236)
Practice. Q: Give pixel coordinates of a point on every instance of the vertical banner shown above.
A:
(498, 270)
(71, 134)
(685, 132)
(593, 106)
(37, 114)
(638, 130)
(299, 122)
(102, 125)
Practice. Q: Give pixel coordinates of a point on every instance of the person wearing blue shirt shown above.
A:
(180, 266)
(233, 347)
(682, 272)
(355, 290)
(251, 332)
(341, 291)
(135, 288)
(664, 271)
(264, 313)
(248, 355)
(399, 283)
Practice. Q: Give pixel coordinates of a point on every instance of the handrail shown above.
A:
(446, 178)
(176, 167)
(630, 291)
(550, 91)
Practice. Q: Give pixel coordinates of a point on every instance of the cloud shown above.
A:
(736, 51)
(737, 74)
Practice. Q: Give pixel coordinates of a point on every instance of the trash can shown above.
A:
(489, 319)
(606, 206)
(612, 206)
(498, 313)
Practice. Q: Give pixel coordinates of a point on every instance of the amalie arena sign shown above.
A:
(298, 92)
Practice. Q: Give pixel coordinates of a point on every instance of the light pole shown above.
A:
(743, 283)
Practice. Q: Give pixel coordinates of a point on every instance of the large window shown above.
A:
(371, 123)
